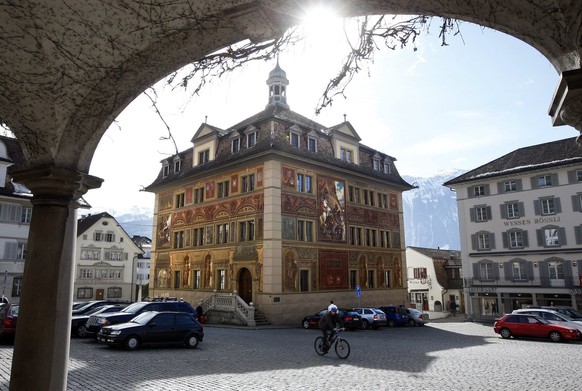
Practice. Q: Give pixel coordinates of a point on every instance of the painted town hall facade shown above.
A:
(288, 213)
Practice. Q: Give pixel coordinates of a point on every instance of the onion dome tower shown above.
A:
(277, 83)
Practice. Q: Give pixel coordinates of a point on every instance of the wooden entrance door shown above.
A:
(245, 285)
(99, 293)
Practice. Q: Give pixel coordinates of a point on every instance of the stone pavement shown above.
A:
(443, 355)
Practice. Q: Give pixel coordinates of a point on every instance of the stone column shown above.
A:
(41, 347)
(566, 107)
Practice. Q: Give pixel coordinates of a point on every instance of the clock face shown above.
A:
(551, 237)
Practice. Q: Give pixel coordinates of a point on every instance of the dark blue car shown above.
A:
(154, 328)
(396, 316)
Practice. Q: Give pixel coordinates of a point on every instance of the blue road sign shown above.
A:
(358, 291)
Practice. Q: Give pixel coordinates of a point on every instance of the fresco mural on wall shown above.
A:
(397, 272)
(333, 270)
(209, 189)
(288, 177)
(288, 228)
(290, 272)
(164, 231)
(234, 183)
(331, 210)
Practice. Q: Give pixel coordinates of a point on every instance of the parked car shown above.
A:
(395, 316)
(8, 319)
(154, 328)
(351, 319)
(97, 321)
(416, 317)
(551, 316)
(563, 310)
(527, 325)
(371, 317)
(89, 305)
(78, 322)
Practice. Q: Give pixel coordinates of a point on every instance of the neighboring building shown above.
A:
(143, 262)
(288, 213)
(434, 278)
(520, 220)
(15, 215)
(106, 259)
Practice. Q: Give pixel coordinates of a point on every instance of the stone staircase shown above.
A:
(261, 319)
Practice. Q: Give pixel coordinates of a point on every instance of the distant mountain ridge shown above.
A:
(430, 214)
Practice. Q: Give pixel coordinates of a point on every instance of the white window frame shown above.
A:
(545, 180)
(548, 206)
(483, 242)
(516, 239)
(486, 271)
(295, 139)
(510, 185)
(251, 139)
(312, 144)
(512, 209)
(346, 155)
(235, 145)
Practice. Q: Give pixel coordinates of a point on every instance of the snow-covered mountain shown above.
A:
(430, 212)
(137, 220)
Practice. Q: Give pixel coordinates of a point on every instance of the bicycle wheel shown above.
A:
(342, 348)
(318, 345)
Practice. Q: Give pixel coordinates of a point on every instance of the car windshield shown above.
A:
(133, 308)
(94, 310)
(144, 318)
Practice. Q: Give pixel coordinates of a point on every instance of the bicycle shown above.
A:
(341, 346)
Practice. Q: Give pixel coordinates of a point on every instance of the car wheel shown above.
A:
(365, 325)
(81, 331)
(305, 324)
(411, 322)
(132, 342)
(505, 333)
(391, 323)
(555, 336)
(192, 341)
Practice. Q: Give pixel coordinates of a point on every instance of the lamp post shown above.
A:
(133, 275)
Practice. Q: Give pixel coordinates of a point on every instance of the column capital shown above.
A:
(56, 184)
(566, 106)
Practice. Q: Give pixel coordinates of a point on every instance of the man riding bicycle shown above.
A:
(328, 322)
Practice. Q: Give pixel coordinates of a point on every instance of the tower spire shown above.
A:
(277, 83)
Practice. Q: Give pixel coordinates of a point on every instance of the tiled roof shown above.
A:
(436, 253)
(267, 145)
(535, 157)
(86, 222)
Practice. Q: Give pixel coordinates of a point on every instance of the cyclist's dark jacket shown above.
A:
(330, 321)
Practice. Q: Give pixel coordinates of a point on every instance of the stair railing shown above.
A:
(230, 302)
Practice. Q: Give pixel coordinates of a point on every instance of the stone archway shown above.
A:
(244, 285)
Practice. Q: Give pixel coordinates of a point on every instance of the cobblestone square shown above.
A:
(439, 356)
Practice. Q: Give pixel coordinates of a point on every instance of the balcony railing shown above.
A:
(570, 282)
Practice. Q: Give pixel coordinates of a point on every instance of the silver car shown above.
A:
(371, 317)
(416, 317)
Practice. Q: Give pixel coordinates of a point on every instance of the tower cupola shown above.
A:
(278, 83)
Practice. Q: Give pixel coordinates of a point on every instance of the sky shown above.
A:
(435, 109)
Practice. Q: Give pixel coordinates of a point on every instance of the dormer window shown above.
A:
(204, 156)
(251, 139)
(165, 169)
(376, 162)
(387, 167)
(294, 139)
(346, 155)
(312, 144)
(235, 145)
(177, 164)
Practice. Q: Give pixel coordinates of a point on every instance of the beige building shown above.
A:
(434, 278)
(287, 212)
(106, 260)
(520, 219)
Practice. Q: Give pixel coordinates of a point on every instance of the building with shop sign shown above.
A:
(520, 220)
